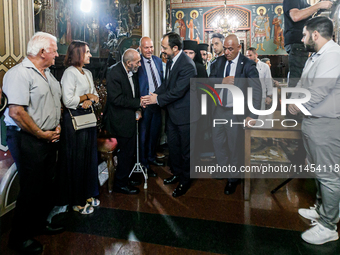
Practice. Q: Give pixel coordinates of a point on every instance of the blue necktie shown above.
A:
(225, 91)
(227, 70)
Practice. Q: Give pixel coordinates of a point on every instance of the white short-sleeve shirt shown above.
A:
(24, 85)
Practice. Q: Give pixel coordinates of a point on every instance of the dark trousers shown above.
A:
(125, 155)
(179, 150)
(228, 141)
(150, 127)
(13, 140)
(37, 160)
(297, 58)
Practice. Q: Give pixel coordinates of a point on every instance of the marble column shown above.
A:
(154, 21)
(17, 26)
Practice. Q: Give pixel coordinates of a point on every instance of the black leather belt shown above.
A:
(225, 108)
(14, 128)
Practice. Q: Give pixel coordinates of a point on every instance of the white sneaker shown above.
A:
(310, 214)
(319, 235)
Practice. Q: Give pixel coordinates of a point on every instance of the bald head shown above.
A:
(232, 38)
(129, 55)
(131, 60)
(144, 40)
(232, 47)
(146, 47)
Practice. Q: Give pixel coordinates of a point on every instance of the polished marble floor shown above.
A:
(203, 221)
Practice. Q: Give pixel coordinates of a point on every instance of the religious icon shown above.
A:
(194, 26)
(261, 27)
(278, 28)
(179, 27)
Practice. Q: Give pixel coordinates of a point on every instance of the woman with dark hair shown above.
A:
(79, 146)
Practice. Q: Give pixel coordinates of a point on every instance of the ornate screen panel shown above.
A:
(242, 16)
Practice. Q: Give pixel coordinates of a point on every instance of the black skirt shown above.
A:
(78, 173)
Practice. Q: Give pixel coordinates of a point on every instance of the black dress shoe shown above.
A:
(53, 229)
(180, 190)
(134, 182)
(171, 180)
(151, 173)
(230, 187)
(130, 190)
(29, 246)
(154, 162)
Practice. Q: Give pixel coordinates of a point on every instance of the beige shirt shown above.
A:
(321, 76)
(24, 85)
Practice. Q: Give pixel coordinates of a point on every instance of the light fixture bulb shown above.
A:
(86, 5)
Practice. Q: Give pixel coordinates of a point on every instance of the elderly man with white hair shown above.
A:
(33, 130)
(121, 111)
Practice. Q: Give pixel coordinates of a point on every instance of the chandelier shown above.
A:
(116, 2)
(225, 24)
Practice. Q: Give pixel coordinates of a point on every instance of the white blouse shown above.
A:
(74, 84)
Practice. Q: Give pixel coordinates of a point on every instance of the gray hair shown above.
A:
(218, 35)
(264, 60)
(40, 40)
(129, 55)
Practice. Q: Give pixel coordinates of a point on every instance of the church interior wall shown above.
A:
(204, 9)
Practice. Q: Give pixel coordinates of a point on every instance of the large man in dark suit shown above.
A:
(150, 77)
(174, 94)
(123, 103)
(234, 69)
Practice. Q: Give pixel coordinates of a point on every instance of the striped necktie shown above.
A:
(154, 79)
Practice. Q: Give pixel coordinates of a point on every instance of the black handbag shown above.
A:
(3, 103)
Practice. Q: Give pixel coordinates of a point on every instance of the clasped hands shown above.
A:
(230, 80)
(50, 135)
(91, 100)
(293, 109)
(149, 99)
(152, 98)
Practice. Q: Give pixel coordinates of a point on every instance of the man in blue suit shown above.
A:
(150, 77)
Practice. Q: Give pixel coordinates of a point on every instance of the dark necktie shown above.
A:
(168, 68)
(225, 91)
(154, 79)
